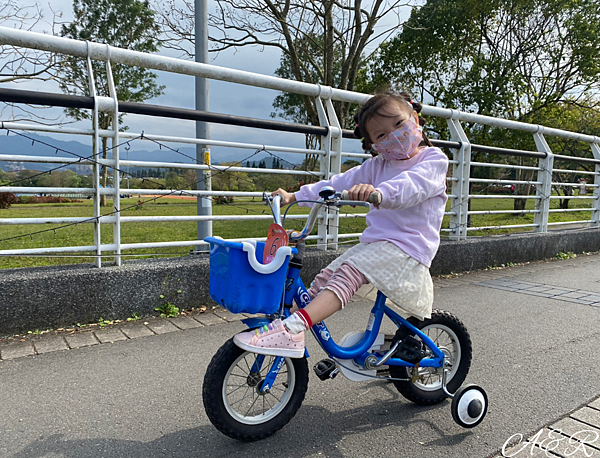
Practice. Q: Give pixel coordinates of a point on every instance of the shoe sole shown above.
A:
(269, 351)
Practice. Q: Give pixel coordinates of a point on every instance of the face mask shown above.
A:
(401, 143)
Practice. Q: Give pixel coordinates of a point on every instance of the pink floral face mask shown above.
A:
(401, 143)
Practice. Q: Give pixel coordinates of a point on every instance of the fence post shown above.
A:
(544, 190)
(325, 167)
(596, 202)
(335, 167)
(96, 169)
(116, 168)
(459, 200)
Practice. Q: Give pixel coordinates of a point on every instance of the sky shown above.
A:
(223, 98)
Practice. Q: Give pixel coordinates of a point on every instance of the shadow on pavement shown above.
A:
(314, 430)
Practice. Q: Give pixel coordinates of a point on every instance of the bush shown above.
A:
(7, 199)
(223, 200)
(44, 200)
(491, 189)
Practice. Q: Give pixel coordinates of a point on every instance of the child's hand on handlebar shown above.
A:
(286, 197)
(361, 192)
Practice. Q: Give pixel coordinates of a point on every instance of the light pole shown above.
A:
(204, 204)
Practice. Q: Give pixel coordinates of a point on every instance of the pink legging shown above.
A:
(344, 282)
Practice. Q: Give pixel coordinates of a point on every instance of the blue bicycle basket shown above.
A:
(240, 282)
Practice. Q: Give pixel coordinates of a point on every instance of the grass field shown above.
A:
(82, 234)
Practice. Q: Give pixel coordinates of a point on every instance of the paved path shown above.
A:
(134, 389)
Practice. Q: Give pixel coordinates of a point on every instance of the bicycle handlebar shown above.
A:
(276, 208)
(330, 198)
(374, 198)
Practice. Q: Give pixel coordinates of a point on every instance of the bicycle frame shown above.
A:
(295, 290)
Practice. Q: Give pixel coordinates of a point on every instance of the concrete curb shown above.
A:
(60, 296)
(18, 346)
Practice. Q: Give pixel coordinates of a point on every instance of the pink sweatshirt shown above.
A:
(413, 200)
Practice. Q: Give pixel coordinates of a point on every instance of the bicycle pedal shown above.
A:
(326, 369)
(411, 350)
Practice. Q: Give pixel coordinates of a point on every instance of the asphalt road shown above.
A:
(535, 356)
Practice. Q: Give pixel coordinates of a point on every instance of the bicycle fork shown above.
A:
(271, 376)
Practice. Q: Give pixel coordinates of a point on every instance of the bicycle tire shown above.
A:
(419, 392)
(241, 426)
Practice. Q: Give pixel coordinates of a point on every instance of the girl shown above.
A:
(402, 234)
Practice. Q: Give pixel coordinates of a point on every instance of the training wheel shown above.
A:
(469, 406)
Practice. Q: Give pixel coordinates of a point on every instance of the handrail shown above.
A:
(103, 52)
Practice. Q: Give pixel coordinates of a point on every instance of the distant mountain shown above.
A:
(40, 145)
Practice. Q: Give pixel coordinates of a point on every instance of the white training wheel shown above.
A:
(469, 406)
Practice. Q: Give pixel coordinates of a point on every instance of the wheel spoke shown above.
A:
(437, 337)
(247, 365)
(267, 401)
(276, 398)
(267, 367)
(236, 389)
(280, 388)
(238, 375)
(242, 398)
(251, 405)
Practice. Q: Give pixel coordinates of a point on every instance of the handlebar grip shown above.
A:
(374, 197)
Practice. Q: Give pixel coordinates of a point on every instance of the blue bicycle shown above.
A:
(249, 396)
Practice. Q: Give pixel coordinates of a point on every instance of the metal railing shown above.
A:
(330, 154)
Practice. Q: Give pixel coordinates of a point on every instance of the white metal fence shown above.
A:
(331, 156)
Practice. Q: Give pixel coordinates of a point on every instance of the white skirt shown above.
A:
(404, 280)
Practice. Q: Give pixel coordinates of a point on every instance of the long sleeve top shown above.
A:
(413, 200)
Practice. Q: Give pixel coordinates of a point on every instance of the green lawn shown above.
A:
(82, 234)
(517, 219)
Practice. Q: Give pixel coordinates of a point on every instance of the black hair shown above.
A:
(373, 107)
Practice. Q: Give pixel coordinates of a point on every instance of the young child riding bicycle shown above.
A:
(402, 235)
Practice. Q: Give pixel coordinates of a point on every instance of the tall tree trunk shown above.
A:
(329, 40)
(567, 191)
(522, 189)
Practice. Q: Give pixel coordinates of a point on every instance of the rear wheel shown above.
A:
(452, 338)
(232, 393)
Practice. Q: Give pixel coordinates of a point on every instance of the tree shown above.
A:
(58, 178)
(269, 182)
(227, 180)
(18, 65)
(128, 24)
(513, 59)
(348, 164)
(189, 178)
(574, 118)
(292, 106)
(174, 181)
(500, 58)
(321, 41)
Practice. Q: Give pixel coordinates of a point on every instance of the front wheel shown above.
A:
(233, 400)
(452, 338)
